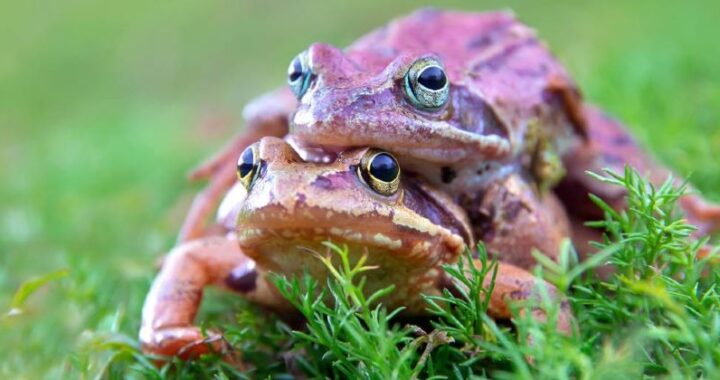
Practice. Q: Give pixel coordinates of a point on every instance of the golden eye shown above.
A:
(380, 171)
(426, 84)
(247, 166)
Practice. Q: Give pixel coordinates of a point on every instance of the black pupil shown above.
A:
(246, 163)
(295, 71)
(432, 78)
(384, 167)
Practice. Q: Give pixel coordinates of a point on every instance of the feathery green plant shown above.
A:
(353, 335)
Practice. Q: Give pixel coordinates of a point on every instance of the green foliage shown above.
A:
(260, 338)
(348, 337)
(28, 288)
(656, 314)
(464, 314)
(661, 288)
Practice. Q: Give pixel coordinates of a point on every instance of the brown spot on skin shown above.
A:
(242, 279)
(495, 62)
(623, 140)
(570, 99)
(539, 71)
(335, 181)
(490, 36)
(486, 234)
(521, 294)
(322, 183)
(483, 169)
(479, 42)
(183, 290)
(565, 305)
(612, 158)
(512, 210)
(447, 174)
(481, 217)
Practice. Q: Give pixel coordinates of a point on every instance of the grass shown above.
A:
(104, 108)
(655, 315)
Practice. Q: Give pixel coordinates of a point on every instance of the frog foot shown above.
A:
(185, 342)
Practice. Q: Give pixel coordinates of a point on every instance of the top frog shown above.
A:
(465, 99)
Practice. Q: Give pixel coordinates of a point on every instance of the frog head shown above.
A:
(413, 105)
(445, 92)
(362, 200)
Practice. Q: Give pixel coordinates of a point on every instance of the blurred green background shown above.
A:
(104, 106)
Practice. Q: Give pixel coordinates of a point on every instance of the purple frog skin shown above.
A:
(467, 100)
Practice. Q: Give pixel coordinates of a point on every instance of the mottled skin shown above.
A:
(513, 111)
(610, 146)
(289, 210)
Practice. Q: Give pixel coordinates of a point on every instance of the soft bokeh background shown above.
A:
(104, 106)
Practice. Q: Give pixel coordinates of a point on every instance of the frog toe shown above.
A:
(183, 342)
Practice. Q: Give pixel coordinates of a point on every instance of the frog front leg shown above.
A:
(265, 116)
(513, 219)
(174, 298)
(610, 145)
(513, 284)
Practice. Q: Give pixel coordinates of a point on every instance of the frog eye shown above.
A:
(299, 74)
(380, 172)
(247, 166)
(426, 85)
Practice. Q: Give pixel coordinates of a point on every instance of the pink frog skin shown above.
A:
(282, 209)
(466, 100)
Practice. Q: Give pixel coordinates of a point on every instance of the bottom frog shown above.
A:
(283, 209)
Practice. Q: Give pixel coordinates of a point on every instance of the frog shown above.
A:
(465, 99)
(278, 218)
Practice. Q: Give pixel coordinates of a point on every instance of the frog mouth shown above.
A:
(313, 238)
(278, 243)
(294, 252)
(467, 130)
(298, 250)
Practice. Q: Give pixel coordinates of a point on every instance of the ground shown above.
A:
(105, 106)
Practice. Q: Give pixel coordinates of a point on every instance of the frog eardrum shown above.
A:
(426, 85)
(380, 172)
(247, 166)
(299, 75)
